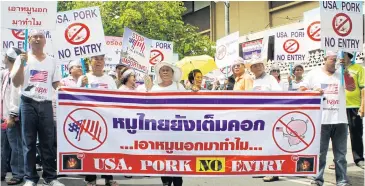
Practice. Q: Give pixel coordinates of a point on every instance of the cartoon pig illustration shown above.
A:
(297, 129)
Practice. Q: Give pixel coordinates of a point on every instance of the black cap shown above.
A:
(120, 64)
(349, 54)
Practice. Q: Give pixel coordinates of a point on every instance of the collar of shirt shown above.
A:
(261, 77)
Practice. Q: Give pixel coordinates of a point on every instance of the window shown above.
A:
(200, 5)
(275, 4)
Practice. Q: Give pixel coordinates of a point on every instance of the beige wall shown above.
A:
(253, 16)
(293, 13)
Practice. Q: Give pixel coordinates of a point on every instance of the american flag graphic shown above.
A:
(137, 44)
(330, 88)
(99, 85)
(279, 129)
(38, 76)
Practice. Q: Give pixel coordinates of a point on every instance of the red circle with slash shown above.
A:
(156, 57)
(78, 28)
(19, 34)
(337, 28)
(290, 43)
(315, 27)
(280, 122)
(85, 127)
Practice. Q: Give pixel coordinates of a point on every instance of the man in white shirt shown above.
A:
(326, 79)
(96, 79)
(37, 74)
(9, 113)
(263, 81)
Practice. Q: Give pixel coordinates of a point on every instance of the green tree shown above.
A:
(160, 20)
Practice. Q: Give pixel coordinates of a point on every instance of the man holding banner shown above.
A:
(37, 74)
(326, 79)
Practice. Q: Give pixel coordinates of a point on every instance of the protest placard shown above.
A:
(312, 27)
(162, 136)
(289, 46)
(136, 50)
(79, 34)
(29, 14)
(250, 48)
(341, 25)
(160, 51)
(227, 50)
(113, 49)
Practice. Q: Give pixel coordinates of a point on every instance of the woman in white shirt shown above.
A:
(275, 72)
(167, 79)
(128, 80)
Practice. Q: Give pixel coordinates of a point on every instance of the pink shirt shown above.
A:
(125, 88)
(69, 82)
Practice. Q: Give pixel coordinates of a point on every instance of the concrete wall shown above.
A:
(254, 16)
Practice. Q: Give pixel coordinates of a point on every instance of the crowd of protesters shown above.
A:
(30, 79)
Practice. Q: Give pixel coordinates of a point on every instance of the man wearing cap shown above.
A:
(326, 79)
(96, 79)
(118, 70)
(354, 80)
(75, 71)
(38, 75)
(263, 81)
(9, 114)
(243, 81)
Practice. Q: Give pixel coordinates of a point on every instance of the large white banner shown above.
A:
(79, 34)
(136, 50)
(114, 49)
(29, 14)
(342, 25)
(312, 27)
(136, 133)
(227, 50)
(290, 46)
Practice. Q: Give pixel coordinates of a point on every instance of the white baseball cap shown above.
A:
(35, 32)
(74, 63)
(13, 52)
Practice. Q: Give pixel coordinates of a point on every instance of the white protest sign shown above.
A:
(136, 50)
(289, 46)
(342, 25)
(227, 50)
(113, 49)
(31, 14)
(160, 51)
(79, 34)
(15, 38)
(312, 27)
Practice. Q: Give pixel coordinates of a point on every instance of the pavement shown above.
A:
(355, 174)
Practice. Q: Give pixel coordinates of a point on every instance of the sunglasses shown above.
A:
(275, 71)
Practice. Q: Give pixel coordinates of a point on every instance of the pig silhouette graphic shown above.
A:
(298, 129)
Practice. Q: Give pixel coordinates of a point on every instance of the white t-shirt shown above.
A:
(173, 87)
(266, 83)
(103, 82)
(38, 77)
(334, 105)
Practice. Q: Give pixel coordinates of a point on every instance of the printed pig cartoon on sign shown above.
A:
(296, 128)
